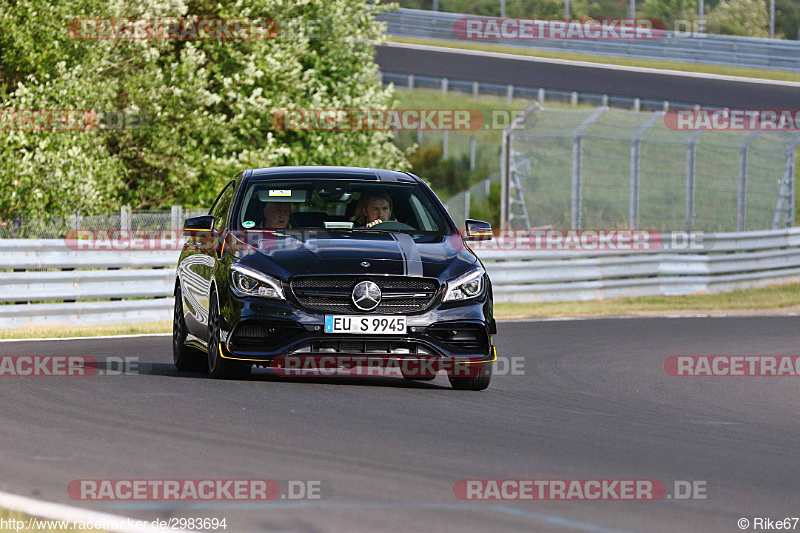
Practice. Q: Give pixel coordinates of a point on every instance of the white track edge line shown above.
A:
(56, 511)
(129, 336)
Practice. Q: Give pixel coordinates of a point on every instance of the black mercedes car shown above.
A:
(348, 264)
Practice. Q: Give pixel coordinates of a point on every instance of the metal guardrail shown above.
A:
(135, 286)
(726, 261)
(83, 287)
(703, 48)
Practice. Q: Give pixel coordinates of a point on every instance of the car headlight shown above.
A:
(249, 282)
(465, 286)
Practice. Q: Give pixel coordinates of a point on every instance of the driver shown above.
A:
(372, 209)
(276, 215)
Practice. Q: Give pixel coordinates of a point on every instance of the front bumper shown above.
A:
(262, 331)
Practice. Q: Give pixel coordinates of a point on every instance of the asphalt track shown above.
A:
(594, 402)
(720, 91)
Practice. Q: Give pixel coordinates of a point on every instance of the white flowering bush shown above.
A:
(206, 104)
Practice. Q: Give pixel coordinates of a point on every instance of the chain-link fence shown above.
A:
(478, 202)
(57, 227)
(611, 168)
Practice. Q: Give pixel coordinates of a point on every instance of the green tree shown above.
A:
(208, 102)
(670, 11)
(748, 18)
(787, 18)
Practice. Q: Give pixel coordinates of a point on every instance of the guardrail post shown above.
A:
(419, 135)
(540, 96)
(125, 218)
(741, 215)
(467, 198)
(177, 218)
(411, 82)
(509, 93)
(444, 144)
(691, 156)
(472, 150)
(637, 104)
(574, 98)
(444, 86)
(75, 222)
(475, 89)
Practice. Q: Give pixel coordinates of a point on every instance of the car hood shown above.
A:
(362, 252)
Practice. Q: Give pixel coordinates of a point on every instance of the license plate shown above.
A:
(365, 325)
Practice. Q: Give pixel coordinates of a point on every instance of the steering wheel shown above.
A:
(393, 225)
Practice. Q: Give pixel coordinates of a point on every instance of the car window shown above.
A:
(340, 205)
(221, 208)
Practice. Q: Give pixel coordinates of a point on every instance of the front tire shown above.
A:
(477, 382)
(184, 357)
(218, 366)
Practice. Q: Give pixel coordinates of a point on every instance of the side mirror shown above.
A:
(477, 230)
(198, 224)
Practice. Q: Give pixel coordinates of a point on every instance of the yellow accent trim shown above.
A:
(222, 354)
(196, 344)
(494, 358)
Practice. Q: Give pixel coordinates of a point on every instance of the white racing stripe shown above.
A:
(56, 511)
(412, 261)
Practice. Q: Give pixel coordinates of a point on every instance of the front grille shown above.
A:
(363, 347)
(333, 294)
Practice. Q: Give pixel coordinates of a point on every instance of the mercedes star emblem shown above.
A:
(366, 295)
(365, 264)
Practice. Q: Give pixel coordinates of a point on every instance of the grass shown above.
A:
(723, 70)
(47, 332)
(772, 298)
(44, 525)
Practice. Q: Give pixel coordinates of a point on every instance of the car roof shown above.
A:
(329, 172)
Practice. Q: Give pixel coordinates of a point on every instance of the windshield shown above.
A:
(340, 205)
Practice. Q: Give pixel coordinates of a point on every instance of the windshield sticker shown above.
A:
(248, 224)
(280, 192)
